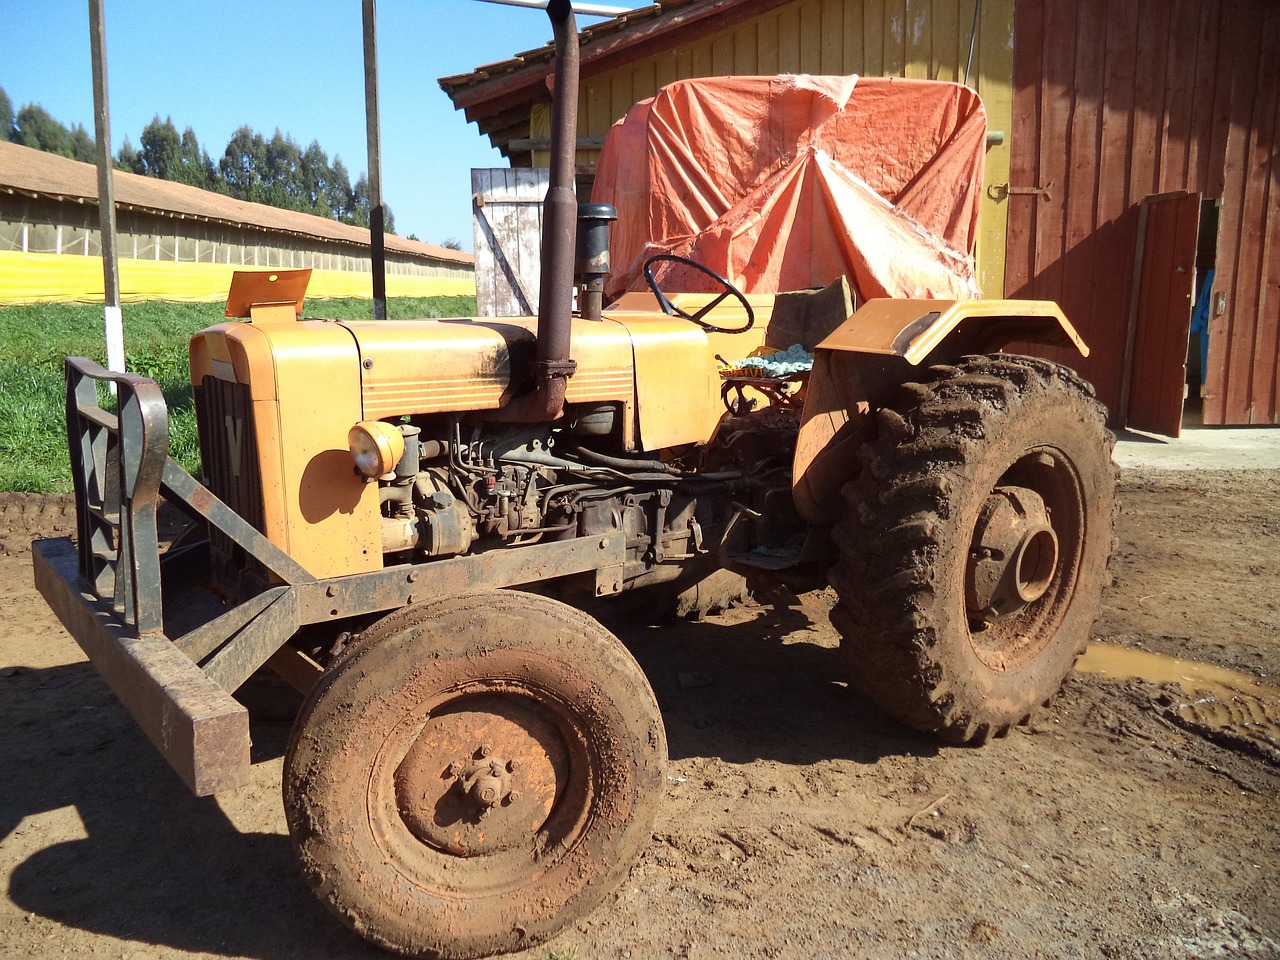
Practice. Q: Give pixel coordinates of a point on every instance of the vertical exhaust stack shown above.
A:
(552, 365)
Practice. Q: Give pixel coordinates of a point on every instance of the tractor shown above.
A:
(406, 520)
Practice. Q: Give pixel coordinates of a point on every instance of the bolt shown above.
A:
(604, 542)
(485, 750)
(513, 765)
(495, 767)
(513, 796)
(368, 363)
(455, 770)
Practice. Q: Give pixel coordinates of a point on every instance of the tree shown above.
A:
(6, 116)
(284, 174)
(35, 128)
(127, 159)
(341, 198)
(244, 166)
(194, 166)
(316, 175)
(161, 151)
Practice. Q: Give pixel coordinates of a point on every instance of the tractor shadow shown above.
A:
(762, 683)
(152, 864)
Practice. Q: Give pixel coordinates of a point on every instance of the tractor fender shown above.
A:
(876, 349)
(913, 329)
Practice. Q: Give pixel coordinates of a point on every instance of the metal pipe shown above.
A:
(582, 9)
(973, 36)
(552, 365)
(560, 209)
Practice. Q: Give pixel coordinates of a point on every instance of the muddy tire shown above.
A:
(473, 774)
(974, 544)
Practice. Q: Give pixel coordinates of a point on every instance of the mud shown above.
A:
(798, 821)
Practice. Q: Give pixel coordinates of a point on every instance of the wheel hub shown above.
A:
(482, 776)
(487, 782)
(1013, 555)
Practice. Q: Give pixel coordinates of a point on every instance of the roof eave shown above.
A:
(630, 37)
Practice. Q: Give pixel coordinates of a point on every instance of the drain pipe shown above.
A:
(552, 366)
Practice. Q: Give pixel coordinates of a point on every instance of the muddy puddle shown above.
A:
(1228, 706)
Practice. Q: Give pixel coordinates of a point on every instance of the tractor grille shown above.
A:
(229, 459)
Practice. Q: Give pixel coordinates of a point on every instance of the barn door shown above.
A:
(506, 216)
(1161, 319)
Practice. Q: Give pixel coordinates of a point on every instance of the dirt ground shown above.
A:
(799, 822)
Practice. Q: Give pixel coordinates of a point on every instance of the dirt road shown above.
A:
(1125, 821)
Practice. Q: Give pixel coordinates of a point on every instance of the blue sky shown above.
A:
(295, 65)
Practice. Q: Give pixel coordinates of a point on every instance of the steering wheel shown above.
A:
(671, 310)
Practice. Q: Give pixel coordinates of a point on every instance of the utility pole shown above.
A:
(377, 219)
(112, 322)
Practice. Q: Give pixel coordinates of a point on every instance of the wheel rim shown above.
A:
(426, 790)
(1023, 558)
(483, 775)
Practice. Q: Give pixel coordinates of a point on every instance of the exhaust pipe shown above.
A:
(552, 365)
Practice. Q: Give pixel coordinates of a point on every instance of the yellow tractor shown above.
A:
(476, 766)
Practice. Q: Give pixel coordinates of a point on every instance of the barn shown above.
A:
(1131, 167)
(177, 242)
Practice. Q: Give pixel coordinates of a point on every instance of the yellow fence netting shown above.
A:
(53, 278)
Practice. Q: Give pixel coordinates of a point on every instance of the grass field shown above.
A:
(35, 339)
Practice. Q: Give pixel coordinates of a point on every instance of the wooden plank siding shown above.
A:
(898, 38)
(1116, 100)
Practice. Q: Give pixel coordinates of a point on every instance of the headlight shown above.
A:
(376, 447)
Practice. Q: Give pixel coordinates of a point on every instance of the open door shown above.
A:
(1160, 322)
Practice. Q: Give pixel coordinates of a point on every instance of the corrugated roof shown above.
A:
(36, 173)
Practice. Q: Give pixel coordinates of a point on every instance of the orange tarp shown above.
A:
(785, 183)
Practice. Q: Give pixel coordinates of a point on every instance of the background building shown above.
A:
(177, 242)
(1094, 106)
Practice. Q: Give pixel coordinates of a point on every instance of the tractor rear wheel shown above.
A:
(974, 544)
(473, 774)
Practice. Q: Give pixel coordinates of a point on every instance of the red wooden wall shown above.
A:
(1115, 100)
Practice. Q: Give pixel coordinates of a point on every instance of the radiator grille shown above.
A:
(229, 459)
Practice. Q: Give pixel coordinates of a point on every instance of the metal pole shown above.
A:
(112, 322)
(377, 220)
(581, 9)
(973, 36)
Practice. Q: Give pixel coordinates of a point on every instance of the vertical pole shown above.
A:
(113, 325)
(377, 251)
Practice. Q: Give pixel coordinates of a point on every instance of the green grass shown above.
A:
(35, 339)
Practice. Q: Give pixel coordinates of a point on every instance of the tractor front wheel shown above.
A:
(473, 774)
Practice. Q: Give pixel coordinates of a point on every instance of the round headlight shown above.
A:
(376, 447)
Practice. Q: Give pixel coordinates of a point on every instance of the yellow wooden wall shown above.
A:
(892, 38)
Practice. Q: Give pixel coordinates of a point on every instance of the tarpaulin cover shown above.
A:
(787, 182)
